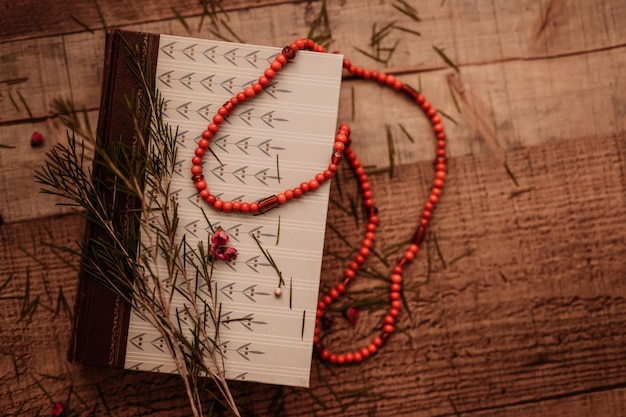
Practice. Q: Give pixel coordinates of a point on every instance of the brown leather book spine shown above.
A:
(101, 318)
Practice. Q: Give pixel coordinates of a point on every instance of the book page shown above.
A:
(273, 142)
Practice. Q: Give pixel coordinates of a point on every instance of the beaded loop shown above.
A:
(341, 148)
(266, 204)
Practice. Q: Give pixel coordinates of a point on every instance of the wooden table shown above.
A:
(517, 302)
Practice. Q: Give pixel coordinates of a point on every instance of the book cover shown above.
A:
(275, 141)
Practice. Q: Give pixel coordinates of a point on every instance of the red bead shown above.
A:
(270, 73)
(264, 81)
(282, 198)
(196, 160)
(204, 194)
(211, 199)
(203, 144)
(333, 293)
(249, 92)
(227, 206)
(358, 357)
(241, 96)
(236, 206)
(199, 152)
(289, 194)
(218, 119)
(207, 135)
(388, 328)
(281, 58)
(365, 352)
(276, 66)
(201, 185)
(196, 169)
(320, 177)
(305, 187)
(245, 207)
(314, 185)
(396, 278)
(218, 205)
(257, 87)
(297, 192)
(254, 207)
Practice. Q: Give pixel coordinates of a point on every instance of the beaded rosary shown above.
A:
(341, 147)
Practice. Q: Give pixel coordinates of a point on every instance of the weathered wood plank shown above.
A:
(477, 33)
(502, 106)
(589, 404)
(27, 19)
(530, 312)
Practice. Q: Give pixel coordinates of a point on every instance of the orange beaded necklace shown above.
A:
(342, 147)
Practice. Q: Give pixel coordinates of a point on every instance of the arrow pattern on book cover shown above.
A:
(195, 77)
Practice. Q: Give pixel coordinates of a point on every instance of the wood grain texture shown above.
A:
(525, 311)
(506, 92)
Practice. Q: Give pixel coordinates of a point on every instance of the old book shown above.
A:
(273, 142)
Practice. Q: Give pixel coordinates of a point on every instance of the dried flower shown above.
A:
(58, 410)
(219, 240)
(36, 139)
(352, 314)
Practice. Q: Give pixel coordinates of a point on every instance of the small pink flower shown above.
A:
(230, 254)
(220, 238)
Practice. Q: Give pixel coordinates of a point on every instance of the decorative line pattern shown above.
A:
(263, 337)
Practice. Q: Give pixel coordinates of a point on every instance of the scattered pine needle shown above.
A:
(181, 19)
(446, 59)
(406, 9)
(517, 193)
(391, 150)
(81, 24)
(510, 174)
(447, 116)
(408, 135)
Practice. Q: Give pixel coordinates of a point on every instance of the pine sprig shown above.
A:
(136, 252)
